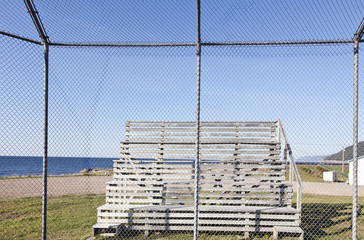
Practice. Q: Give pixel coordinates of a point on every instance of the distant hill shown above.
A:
(348, 153)
(310, 158)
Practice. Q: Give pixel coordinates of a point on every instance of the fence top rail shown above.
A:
(193, 44)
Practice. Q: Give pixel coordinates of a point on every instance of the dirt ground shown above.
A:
(31, 187)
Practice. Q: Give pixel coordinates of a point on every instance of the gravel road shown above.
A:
(330, 188)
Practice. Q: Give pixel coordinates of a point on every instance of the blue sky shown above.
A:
(93, 91)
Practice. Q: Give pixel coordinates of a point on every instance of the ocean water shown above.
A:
(33, 165)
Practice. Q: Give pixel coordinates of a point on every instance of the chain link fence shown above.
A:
(148, 137)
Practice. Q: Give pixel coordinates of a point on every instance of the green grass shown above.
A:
(314, 173)
(72, 217)
(69, 217)
(329, 217)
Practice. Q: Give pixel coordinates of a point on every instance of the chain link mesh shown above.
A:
(14, 20)
(260, 21)
(122, 130)
(89, 108)
(309, 88)
(21, 138)
(119, 21)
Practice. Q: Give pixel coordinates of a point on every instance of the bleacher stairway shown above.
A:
(242, 174)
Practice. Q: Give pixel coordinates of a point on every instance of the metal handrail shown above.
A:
(293, 165)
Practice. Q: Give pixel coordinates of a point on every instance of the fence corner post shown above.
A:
(45, 144)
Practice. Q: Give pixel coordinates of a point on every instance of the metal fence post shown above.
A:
(355, 141)
(45, 144)
(197, 159)
(43, 35)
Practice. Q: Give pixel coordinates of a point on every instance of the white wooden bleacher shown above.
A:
(242, 179)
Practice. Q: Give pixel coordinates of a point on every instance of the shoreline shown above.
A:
(82, 173)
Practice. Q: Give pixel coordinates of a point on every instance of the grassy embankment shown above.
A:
(314, 173)
(94, 172)
(72, 217)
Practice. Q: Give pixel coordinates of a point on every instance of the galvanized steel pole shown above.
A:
(45, 144)
(355, 141)
(197, 159)
(357, 38)
(43, 35)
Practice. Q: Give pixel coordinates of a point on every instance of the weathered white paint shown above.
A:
(330, 176)
(360, 171)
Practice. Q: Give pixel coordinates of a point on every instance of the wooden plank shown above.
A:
(203, 195)
(215, 194)
(243, 178)
(133, 202)
(240, 124)
(121, 188)
(232, 201)
(203, 151)
(166, 166)
(210, 222)
(237, 174)
(208, 157)
(228, 184)
(297, 230)
(241, 165)
(171, 165)
(203, 124)
(144, 227)
(246, 189)
(202, 201)
(250, 157)
(212, 184)
(203, 141)
(202, 228)
(217, 133)
(205, 129)
(210, 136)
(163, 178)
(154, 171)
(216, 216)
(235, 129)
(129, 145)
(206, 208)
(203, 209)
(243, 195)
(166, 174)
(227, 179)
